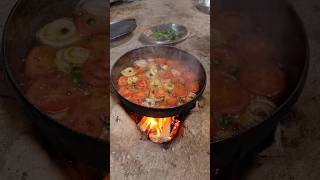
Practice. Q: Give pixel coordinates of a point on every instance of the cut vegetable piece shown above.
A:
(165, 75)
(150, 75)
(180, 91)
(76, 55)
(40, 62)
(159, 93)
(89, 24)
(69, 57)
(155, 83)
(142, 84)
(122, 81)
(149, 102)
(53, 96)
(141, 63)
(132, 80)
(59, 33)
(129, 71)
(125, 92)
(169, 86)
(226, 60)
(171, 101)
(190, 97)
(192, 86)
(86, 117)
(175, 72)
(94, 72)
(61, 63)
(229, 97)
(136, 99)
(263, 79)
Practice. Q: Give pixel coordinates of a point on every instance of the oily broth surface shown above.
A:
(65, 72)
(247, 77)
(158, 83)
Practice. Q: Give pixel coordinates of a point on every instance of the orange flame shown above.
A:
(159, 130)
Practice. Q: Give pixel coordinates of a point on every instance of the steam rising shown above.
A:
(158, 52)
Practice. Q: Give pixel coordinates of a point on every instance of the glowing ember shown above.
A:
(159, 130)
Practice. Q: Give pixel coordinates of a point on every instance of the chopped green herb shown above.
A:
(91, 22)
(225, 121)
(76, 74)
(76, 78)
(166, 34)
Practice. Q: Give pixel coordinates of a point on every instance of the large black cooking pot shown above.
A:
(25, 19)
(281, 23)
(155, 52)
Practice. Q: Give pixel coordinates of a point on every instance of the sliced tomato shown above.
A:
(159, 93)
(86, 118)
(55, 103)
(180, 90)
(54, 94)
(142, 84)
(171, 101)
(143, 94)
(125, 92)
(163, 104)
(94, 71)
(40, 61)
(89, 123)
(165, 75)
(179, 79)
(122, 81)
(89, 24)
(97, 44)
(192, 86)
(226, 59)
(136, 99)
(263, 79)
(141, 75)
(229, 97)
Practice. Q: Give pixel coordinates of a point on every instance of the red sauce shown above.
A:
(158, 83)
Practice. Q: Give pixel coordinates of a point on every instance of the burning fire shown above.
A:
(159, 130)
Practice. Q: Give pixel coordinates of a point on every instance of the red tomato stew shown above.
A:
(66, 72)
(158, 83)
(247, 79)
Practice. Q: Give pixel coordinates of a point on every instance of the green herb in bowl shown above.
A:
(165, 34)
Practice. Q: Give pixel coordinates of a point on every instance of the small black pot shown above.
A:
(153, 52)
